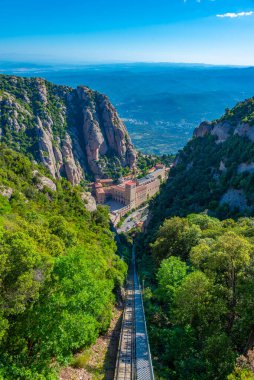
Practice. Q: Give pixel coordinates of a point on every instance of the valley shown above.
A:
(64, 263)
(160, 104)
(127, 190)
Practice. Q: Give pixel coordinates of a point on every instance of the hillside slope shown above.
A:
(58, 270)
(71, 131)
(197, 269)
(215, 170)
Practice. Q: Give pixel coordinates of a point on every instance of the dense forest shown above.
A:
(196, 257)
(58, 267)
(199, 297)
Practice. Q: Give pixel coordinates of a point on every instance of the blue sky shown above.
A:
(79, 31)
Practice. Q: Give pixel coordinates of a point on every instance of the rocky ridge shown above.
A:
(72, 132)
(214, 173)
(236, 122)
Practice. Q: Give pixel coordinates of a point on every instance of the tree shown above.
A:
(193, 301)
(224, 261)
(24, 268)
(170, 275)
(175, 237)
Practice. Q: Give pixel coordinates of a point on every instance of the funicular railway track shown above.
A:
(125, 366)
(134, 359)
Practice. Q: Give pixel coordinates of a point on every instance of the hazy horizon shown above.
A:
(160, 103)
(52, 63)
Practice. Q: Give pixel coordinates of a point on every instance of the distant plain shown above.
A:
(160, 104)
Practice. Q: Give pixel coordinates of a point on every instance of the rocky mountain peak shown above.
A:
(72, 132)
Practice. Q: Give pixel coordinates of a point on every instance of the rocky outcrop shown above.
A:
(235, 199)
(238, 121)
(58, 157)
(44, 181)
(72, 132)
(246, 130)
(46, 151)
(244, 167)
(89, 201)
(6, 191)
(222, 167)
(41, 90)
(203, 129)
(103, 131)
(221, 130)
(72, 169)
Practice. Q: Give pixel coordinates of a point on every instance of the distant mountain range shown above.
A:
(161, 104)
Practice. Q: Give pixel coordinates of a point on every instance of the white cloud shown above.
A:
(235, 15)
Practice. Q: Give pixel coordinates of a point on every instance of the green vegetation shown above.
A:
(197, 184)
(146, 162)
(112, 167)
(199, 276)
(198, 265)
(58, 272)
(21, 104)
(242, 112)
(206, 170)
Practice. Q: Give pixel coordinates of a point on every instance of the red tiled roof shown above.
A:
(130, 182)
(107, 180)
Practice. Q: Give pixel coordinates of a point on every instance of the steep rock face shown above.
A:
(204, 128)
(235, 199)
(222, 130)
(72, 168)
(245, 130)
(42, 90)
(103, 131)
(72, 132)
(47, 155)
(238, 121)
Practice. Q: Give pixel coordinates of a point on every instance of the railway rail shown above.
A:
(125, 366)
(133, 359)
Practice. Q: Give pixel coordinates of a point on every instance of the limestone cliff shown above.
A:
(236, 122)
(72, 132)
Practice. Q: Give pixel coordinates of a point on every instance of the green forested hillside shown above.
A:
(242, 112)
(198, 264)
(58, 271)
(219, 158)
(199, 298)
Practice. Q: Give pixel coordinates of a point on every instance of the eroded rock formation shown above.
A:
(70, 131)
